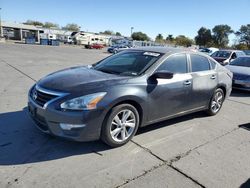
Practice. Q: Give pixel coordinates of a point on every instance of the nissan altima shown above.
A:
(112, 98)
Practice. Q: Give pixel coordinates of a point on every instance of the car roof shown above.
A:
(227, 50)
(163, 50)
(245, 56)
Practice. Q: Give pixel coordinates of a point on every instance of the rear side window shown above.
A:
(175, 64)
(212, 63)
(199, 63)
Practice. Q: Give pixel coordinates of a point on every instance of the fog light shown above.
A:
(66, 126)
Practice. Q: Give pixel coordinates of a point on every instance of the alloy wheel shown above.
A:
(217, 101)
(123, 125)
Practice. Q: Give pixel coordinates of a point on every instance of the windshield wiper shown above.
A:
(108, 71)
(129, 74)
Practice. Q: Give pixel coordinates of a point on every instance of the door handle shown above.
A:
(188, 82)
(213, 77)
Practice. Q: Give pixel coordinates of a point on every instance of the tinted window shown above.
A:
(213, 64)
(223, 54)
(199, 63)
(175, 64)
(239, 54)
(241, 61)
(247, 52)
(127, 63)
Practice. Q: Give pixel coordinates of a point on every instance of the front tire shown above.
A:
(216, 102)
(120, 125)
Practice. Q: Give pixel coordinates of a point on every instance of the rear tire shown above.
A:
(216, 102)
(120, 125)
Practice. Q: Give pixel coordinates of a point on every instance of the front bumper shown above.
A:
(241, 85)
(48, 121)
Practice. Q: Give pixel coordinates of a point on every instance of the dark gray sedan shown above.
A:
(241, 72)
(137, 87)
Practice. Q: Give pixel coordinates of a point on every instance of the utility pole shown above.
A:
(131, 30)
(1, 33)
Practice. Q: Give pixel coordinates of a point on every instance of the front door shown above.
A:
(170, 96)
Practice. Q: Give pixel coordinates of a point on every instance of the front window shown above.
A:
(241, 61)
(222, 54)
(131, 63)
(175, 64)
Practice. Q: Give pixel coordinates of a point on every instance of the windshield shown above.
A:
(223, 54)
(241, 61)
(130, 63)
(247, 52)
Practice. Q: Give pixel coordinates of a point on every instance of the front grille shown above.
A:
(40, 97)
(41, 123)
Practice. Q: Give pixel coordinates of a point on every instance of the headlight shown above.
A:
(86, 102)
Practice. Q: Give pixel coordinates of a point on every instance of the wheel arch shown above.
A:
(224, 89)
(132, 101)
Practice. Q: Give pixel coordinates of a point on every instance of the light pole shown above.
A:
(131, 30)
(1, 34)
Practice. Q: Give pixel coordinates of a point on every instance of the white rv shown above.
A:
(86, 38)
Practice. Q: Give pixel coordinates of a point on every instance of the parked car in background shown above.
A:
(224, 57)
(116, 48)
(247, 52)
(208, 51)
(240, 68)
(94, 46)
(136, 87)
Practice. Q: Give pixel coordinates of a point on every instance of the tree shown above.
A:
(241, 47)
(107, 32)
(220, 35)
(72, 27)
(50, 25)
(204, 37)
(244, 34)
(182, 40)
(118, 34)
(32, 22)
(159, 38)
(170, 39)
(139, 36)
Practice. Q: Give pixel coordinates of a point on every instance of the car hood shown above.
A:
(79, 79)
(239, 69)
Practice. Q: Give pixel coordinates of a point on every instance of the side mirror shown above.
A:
(163, 75)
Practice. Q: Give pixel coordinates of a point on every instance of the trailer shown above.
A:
(87, 38)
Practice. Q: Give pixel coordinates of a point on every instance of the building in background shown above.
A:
(60, 34)
(19, 32)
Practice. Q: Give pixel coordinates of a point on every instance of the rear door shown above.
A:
(204, 80)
